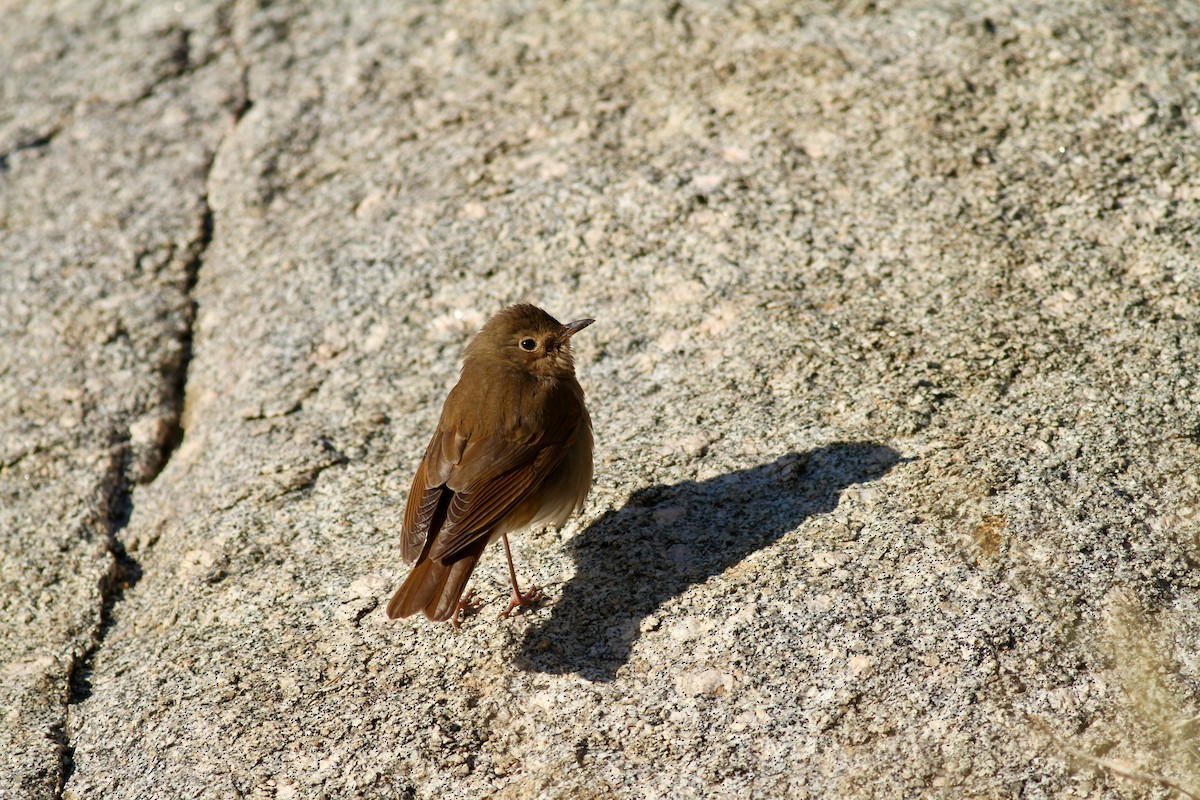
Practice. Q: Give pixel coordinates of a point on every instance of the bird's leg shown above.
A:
(517, 599)
(467, 604)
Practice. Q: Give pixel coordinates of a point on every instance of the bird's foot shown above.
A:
(517, 600)
(467, 605)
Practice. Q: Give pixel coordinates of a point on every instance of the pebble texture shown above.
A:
(894, 380)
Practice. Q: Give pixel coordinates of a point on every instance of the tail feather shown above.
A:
(446, 603)
(435, 586)
(425, 579)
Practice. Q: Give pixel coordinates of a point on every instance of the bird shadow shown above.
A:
(667, 538)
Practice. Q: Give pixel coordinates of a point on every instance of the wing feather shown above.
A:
(428, 493)
(470, 479)
(475, 510)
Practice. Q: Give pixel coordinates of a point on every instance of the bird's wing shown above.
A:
(470, 478)
(428, 497)
(486, 495)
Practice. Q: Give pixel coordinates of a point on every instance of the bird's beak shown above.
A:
(572, 328)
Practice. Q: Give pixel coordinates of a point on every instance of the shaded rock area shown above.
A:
(894, 381)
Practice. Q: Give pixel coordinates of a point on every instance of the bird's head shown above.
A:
(527, 337)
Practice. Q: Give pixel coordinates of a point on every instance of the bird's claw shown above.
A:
(467, 605)
(517, 600)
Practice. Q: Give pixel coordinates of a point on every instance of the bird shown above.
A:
(512, 451)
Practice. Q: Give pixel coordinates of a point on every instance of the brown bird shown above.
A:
(512, 450)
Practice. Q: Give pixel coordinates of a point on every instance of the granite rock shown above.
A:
(894, 382)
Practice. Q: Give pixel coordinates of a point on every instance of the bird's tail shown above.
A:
(436, 586)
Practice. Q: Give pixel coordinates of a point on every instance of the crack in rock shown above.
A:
(177, 396)
(36, 142)
(124, 571)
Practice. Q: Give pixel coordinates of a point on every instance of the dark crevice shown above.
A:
(66, 754)
(37, 142)
(124, 571)
(191, 269)
(178, 64)
(178, 388)
(245, 101)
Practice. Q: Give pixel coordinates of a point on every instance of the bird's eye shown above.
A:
(528, 345)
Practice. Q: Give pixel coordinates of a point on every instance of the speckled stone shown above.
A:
(894, 383)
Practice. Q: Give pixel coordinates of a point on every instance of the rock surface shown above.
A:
(894, 382)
